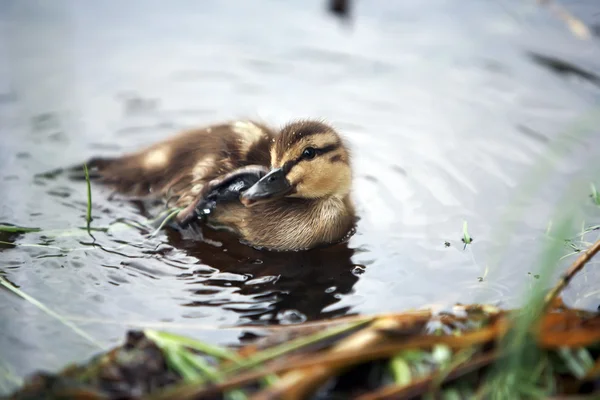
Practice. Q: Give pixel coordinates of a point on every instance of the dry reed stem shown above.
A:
(336, 361)
(296, 384)
(363, 347)
(571, 272)
(328, 323)
(304, 373)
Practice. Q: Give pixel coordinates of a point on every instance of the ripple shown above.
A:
(262, 280)
(149, 267)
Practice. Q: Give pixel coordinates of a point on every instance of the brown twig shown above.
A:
(571, 272)
(335, 361)
(328, 323)
(304, 372)
(303, 380)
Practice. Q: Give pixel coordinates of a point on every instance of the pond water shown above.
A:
(453, 109)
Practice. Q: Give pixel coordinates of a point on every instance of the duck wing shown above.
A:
(225, 189)
(179, 168)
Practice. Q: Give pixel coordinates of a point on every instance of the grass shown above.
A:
(576, 243)
(400, 369)
(517, 373)
(88, 215)
(183, 341)
(440, 364)
(578, 130)
(172, 213)
(525, 369)
(578, 361)
(525, 372)
(466, 239)
(17, 229)
(595, 195)
(73, 232)
(196, 374)
(409, 365)
(190, 366)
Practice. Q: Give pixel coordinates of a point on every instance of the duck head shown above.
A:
(309, 160)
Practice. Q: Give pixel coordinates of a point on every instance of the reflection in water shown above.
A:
(278, 287)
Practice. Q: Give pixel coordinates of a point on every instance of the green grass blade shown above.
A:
(451, 394)
(88, 216)
(44, 246)
(466, 239)
(578, 361)
(517, 372)
(190, 366)
(595, 195)
(441, 354)
(212, 374)
(172, 214)
(578, 130)
(400, 370)
(48, 311)
(235, 395)
(201, 365)
(180, 364)
(216, 351)
(448, 361)
(586, 358)
(270, 380)
(17, 229)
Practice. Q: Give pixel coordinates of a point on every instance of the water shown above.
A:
(447, 113)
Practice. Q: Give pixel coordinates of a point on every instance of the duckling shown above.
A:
(286, 190)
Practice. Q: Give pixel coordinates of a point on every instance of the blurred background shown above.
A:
(483, 112)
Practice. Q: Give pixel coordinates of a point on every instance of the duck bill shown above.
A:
(274, 185)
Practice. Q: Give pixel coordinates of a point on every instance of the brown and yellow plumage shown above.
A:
(302, 202)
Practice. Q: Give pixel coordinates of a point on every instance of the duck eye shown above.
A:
(309, 153)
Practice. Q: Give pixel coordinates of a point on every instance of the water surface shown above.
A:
(447, 110)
